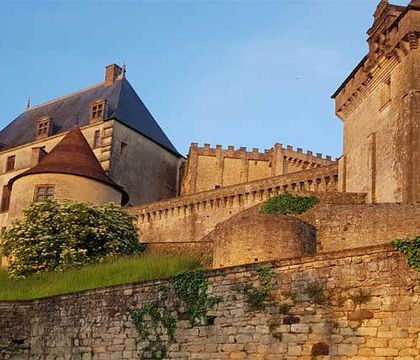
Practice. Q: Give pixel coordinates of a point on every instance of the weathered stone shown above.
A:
(320, 348)
(360, 315)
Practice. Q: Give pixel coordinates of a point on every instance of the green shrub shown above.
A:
(55, 235)
(411, 249)
(288, 204)
(317, 292)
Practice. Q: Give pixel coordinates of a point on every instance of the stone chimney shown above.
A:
(111, 73)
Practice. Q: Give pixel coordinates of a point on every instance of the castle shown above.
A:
(374, 182)
(341, 291)
(123, 155)
(101, 144)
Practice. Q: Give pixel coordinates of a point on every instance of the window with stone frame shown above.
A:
(97, 139)
(44, 192)
(385, 94)
(43, 127)
(97, 111)
(5, 199)
(10, 163)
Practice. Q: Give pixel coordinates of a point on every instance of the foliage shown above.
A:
(156, 326)
(284, 308)
(411, 249)
(288, 204)
(259, 298)
(317, 292)
(361, 297)
(155, 323)
(191, 288)
(56, 235)
(107, 273)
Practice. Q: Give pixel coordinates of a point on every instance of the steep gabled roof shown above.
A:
(123, 104)
(73, 156)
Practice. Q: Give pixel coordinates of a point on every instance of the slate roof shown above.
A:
(123, 104)
(72, 155)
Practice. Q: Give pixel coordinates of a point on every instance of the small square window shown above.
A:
(97, 139)
(97, 111)
(43, 127)
(44, 192)
(10, 163)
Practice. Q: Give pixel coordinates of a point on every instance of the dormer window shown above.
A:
(44, 127)
(97, 111)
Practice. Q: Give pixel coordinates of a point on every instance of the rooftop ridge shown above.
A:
(74, 93)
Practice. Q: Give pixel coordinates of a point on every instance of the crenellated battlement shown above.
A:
(217, 167)
(230, 150)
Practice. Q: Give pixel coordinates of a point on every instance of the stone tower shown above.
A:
(70, 171)
(379, 104)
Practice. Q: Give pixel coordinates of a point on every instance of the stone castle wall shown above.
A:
(340, 227)
(187, 219)
(95, 325)
(250, 237)
(211, 168)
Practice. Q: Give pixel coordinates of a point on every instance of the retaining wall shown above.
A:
(95, 324)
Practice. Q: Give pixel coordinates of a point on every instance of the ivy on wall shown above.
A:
(155, 325)
(258, 298)
(288, 204)
(156, 321)
(411, 248)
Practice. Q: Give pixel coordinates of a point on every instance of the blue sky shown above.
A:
(243, 73)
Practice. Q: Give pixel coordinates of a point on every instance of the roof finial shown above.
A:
(76, 120)
(28, 103)
(124, 69)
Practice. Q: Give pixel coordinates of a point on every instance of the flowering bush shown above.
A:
(55, 235)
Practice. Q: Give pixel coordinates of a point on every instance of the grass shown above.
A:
(124, 270)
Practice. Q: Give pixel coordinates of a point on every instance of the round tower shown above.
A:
(70, 171)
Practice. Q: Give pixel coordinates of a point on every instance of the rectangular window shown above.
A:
(97, 111)
(123, 149)
(5, 199)
(385, 94)
(44, 192)
(97, 139)
(10, 164)
(44, 125)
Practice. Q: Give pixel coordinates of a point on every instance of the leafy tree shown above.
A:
(55, 235)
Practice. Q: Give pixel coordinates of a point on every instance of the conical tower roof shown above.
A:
(72, 155)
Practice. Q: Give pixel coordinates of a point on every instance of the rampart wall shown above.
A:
(187, 219)
(211, 168)
(250, 237)
(95, 325)
(349, 226)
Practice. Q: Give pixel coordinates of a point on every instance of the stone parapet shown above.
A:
(189, 218)
(341, 227)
